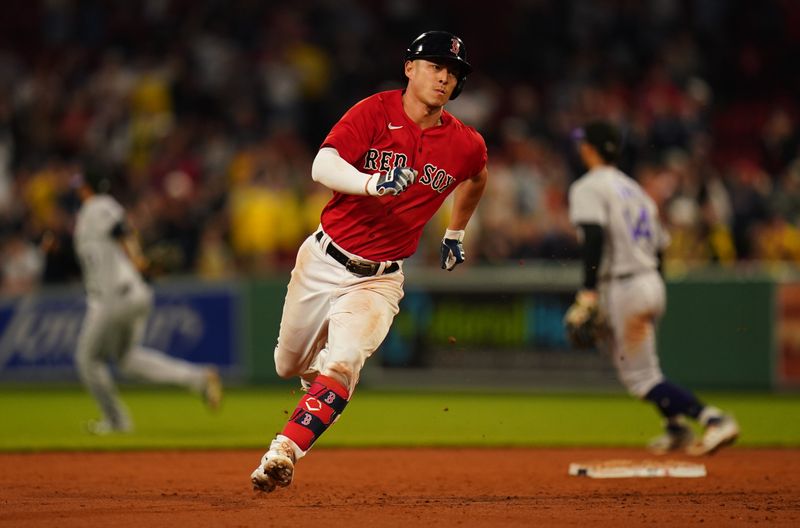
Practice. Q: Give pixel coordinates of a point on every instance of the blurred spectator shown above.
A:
(780, 141)
(750, 188)
(785, 199)
(265, 209)
(209, 113)
(21, 264)
(778, 239)
(698, 211)
(215, 260)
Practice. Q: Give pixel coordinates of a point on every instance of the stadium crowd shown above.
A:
(206, 116)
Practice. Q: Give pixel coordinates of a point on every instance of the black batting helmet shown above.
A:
(442, 45)
(94, 174)
(604, 137)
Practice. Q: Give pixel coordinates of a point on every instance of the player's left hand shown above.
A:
(452, 253)
(584, 324)
(585, 302)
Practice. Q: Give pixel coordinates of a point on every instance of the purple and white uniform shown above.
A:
(632, 292)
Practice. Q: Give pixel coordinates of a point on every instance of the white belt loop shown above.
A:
(382, 266)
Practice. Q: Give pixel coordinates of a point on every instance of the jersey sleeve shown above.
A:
(481, 156)
(353, 134)
(586, 205)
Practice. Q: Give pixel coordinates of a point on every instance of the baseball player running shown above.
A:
(622, 241)
(118, 304)
(391, 160)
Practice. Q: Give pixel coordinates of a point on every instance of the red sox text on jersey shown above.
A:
(381, 161)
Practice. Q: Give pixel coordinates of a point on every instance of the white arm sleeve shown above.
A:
(336, 174)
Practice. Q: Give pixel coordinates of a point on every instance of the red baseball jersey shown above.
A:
(376, 135)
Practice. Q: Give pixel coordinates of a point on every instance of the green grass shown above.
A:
(50, 419)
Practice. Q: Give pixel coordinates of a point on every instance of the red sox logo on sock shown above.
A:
(306, 419)
(330, 398)
(313, 404)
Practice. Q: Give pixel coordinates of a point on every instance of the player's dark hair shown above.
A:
(605, 138)
(96, 175)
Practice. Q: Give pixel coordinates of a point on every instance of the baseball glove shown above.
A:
(584, 324)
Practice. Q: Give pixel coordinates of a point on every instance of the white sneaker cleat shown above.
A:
(105, 428)
(261, 481)
(677, 436)
(277, 465)
(720, 432)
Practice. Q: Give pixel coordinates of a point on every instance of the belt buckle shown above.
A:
(359, 267)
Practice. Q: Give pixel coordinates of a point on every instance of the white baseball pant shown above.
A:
(633, 307)
(332, 319)
(112, 332)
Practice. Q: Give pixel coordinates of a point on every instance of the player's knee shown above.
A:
(85, 356)
(342, 372)
(285, 365)
(286, 370)
(635, 391)
(82, 362)
(637, 384)
(126, 367)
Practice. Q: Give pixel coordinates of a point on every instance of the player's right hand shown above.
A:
(392, 182)
(452, 250)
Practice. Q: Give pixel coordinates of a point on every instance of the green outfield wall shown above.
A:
(264, 301)
(476, 326)
(720, 330)
(720, 334)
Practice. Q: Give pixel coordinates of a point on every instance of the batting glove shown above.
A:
(452, 249)
(392, 182)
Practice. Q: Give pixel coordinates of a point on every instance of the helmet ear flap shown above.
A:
(459, 86)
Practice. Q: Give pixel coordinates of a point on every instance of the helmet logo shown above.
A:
(455, 46)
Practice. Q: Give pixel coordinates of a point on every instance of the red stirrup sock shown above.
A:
(316, 411)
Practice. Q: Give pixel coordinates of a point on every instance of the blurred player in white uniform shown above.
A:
(622, 241)
(118, 304)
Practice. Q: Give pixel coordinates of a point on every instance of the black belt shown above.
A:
(621, 276)
(362, 268)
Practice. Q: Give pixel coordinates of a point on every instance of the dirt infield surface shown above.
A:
(393, 487)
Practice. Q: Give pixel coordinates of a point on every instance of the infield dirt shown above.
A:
(393, 487)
